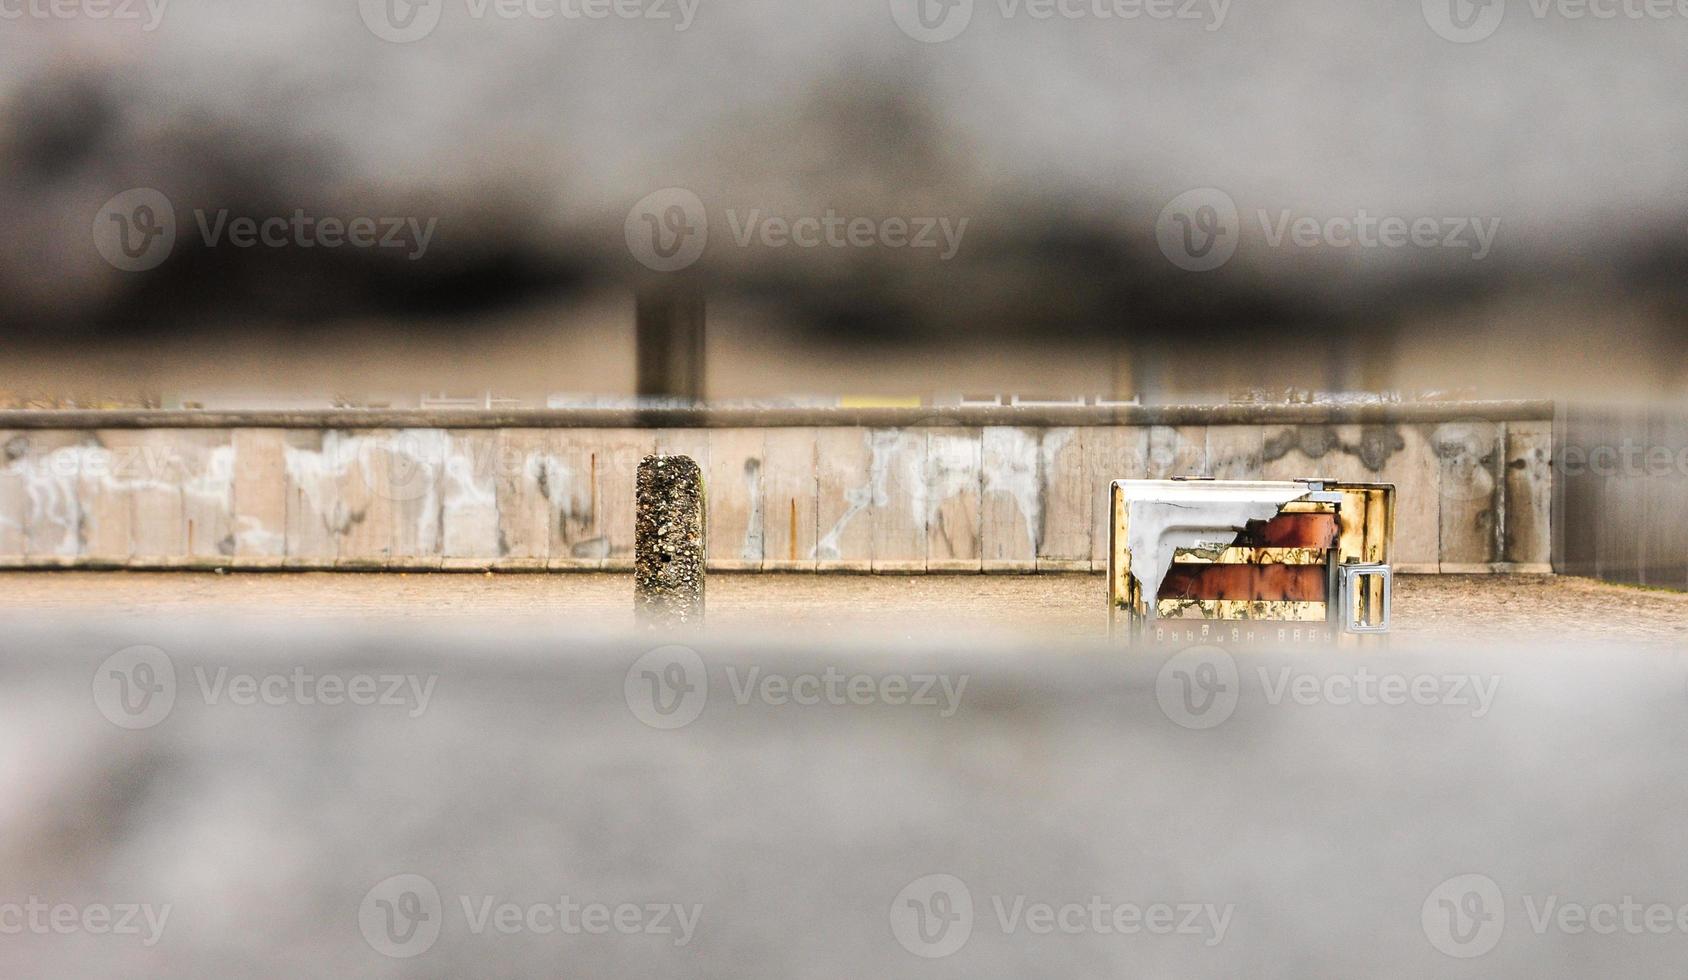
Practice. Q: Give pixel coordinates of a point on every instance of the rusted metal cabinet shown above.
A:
(1249, 562)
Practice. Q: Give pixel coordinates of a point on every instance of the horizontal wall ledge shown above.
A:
(739, 418)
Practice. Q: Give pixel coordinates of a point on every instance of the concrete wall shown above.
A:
(894, 491)
(1622, 481)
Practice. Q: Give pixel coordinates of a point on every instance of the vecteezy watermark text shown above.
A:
(936, 21)
(137, 230)
(1366, 230)
(1469, 21)
(1629, 458)
(933, 917)
(1201, 229)
(149, 12)
(668, 230)
(402, 916)
(39, 917)
(487, 913)
(404, 21)
(137, 687)
(1466, 916)
(835, 231)
(302, 230)
(411, 692)
(1200, 688)
(668, 688)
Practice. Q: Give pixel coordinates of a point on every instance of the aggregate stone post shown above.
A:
(668, 544)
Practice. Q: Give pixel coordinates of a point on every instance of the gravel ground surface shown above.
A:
(1446, 607)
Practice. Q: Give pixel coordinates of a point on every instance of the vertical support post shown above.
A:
(669, 540)
(669, 342)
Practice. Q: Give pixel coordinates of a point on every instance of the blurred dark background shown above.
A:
(527, 144)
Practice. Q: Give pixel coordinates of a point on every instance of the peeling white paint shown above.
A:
(49, 485)
(882, 448)
(403, 467)
(469, 504)
(1011, 467)
(1050, 446)
(54, 485)
(215, 483)
(315, 473)
(252, 537)
(567, 492)
(953, 464)
(901, 456)
(858, 499)
(1165, 515)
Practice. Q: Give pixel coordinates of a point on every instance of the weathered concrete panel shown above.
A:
(1529, 496)
(14, 496)
(1064, 538)
(365, 491)
(954, 485)
(1012, 504)
(1235, 452)
(898, 471)
(315, 517)
(843, 509)
(469, 500)
(416, 460)
(1665, 501)
(207, 475)
(110, 468)
(260, 496)
(1401, 455)
(1417, 475)
(1110, 453)
(617, 458)
(158, 533)
(789, 492)
(1619, 554)
(1473, 494)
(735, 499)
(567, 472)
(524, 532)
(53, 519)
(1176, 451)
(1336, 452)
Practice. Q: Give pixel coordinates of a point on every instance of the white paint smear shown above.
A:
(1165, 515)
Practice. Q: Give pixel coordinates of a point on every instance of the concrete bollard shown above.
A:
(669, 538)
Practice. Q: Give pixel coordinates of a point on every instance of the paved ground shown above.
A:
(1317, 826)
(1456, 607)
(1319, 832)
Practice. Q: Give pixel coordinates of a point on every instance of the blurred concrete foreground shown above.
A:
(329, 801)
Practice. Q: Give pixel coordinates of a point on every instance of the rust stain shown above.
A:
(1317, 531)
(1256, 583)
